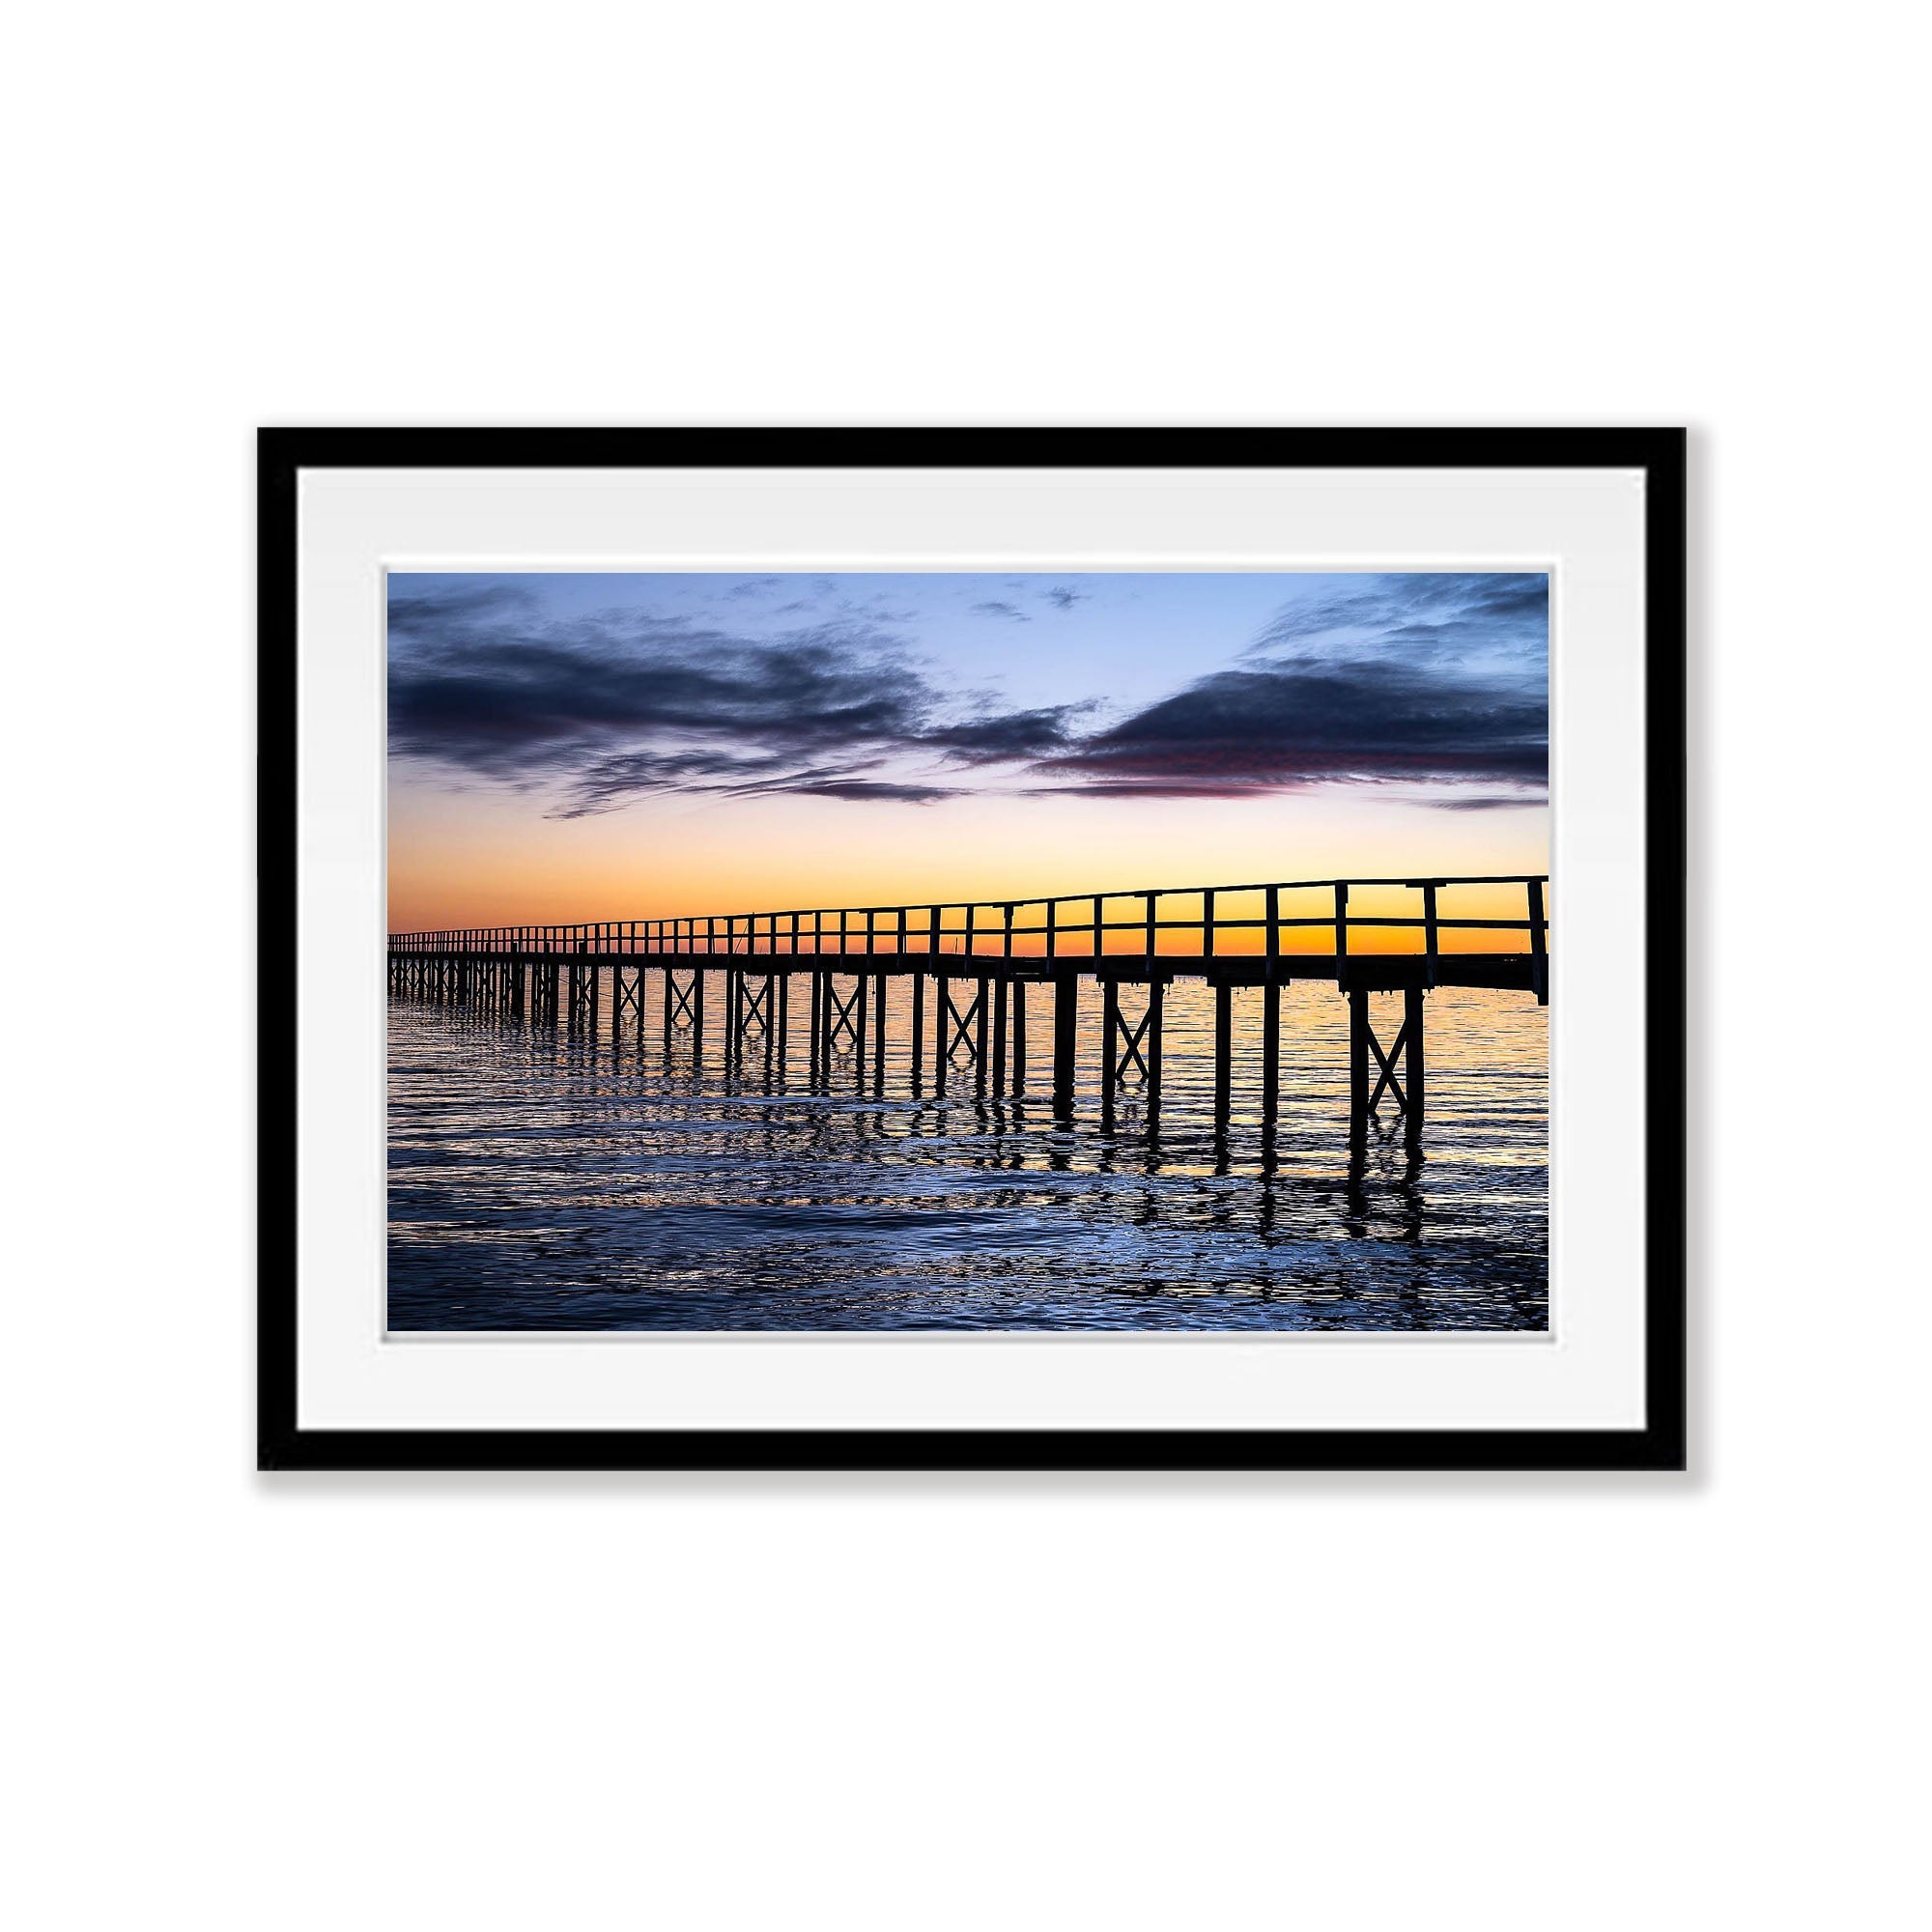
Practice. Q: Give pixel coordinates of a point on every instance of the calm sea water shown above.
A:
(540, 1181)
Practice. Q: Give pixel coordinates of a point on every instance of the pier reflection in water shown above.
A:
(541, 1179)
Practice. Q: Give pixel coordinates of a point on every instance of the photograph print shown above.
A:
(1151, 952)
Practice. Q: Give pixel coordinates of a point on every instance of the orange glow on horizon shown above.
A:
(479, 859)
(698, 815)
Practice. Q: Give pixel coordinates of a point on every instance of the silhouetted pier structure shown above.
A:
(975, 972)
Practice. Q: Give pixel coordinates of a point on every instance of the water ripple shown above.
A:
(539, 1181)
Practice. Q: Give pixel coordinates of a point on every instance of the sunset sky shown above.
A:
(572, 747)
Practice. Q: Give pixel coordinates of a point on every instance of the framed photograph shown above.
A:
(972, 949)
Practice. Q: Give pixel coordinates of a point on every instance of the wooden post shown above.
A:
(1156, 1002)
(1539, 954)
(918, 1031)
(1416, 1072)
(1270, 1054)
(1224, 1050)
(697, 1017)
(879, 1030)
(1207, 925)
(1429, 936)
(1340, 926)
(1000, 1031)
(980, 1035)
(1065, 1011)
(1110, 1025)
(1019, 1036)
(1358, 1066)
(942, 1032)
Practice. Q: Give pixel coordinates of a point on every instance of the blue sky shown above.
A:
(597, 690)
(583, 747)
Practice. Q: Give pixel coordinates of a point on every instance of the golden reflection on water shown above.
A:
(541, 1180)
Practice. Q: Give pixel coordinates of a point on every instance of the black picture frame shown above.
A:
(1660, 1444)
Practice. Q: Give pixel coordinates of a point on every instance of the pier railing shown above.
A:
(1074, 925)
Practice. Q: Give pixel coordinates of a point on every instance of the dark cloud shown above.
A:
(1429, 615)
(1436, 679)
(505, 694)
(605, 707)
(428, 613)
(905, 794)
(994, 608)
(997, 736)
(1064, 598)
(605, 782)
(1282, 729)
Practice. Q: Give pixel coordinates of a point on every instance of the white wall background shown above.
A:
(891, 1703)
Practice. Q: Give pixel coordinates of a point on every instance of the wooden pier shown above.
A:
(972, 968)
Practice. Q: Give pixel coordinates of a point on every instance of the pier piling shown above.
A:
(918, 1031)
(1270, 1053)
(1224, 1050)
(1066, 1015)
(1415, 1070)
(980, 961)
(999, 1035)
(1358, 1066)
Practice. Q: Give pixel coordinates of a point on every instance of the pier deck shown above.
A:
(978, 970)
